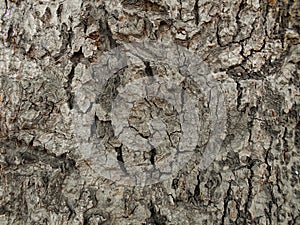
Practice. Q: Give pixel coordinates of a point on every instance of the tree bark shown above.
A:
(47, 52)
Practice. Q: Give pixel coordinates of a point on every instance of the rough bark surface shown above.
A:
(252, 47)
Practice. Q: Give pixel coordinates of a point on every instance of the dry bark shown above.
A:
(47, 48)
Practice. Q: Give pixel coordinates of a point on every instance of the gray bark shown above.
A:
(47, 51)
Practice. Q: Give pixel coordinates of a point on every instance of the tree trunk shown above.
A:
(66, 156)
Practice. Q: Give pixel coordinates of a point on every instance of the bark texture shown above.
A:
(251, 46)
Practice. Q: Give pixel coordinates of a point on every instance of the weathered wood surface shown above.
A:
(252, 48)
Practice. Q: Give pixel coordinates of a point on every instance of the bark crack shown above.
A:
(6, 9)
(250, 188)
(196, 12)
(226, 200)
